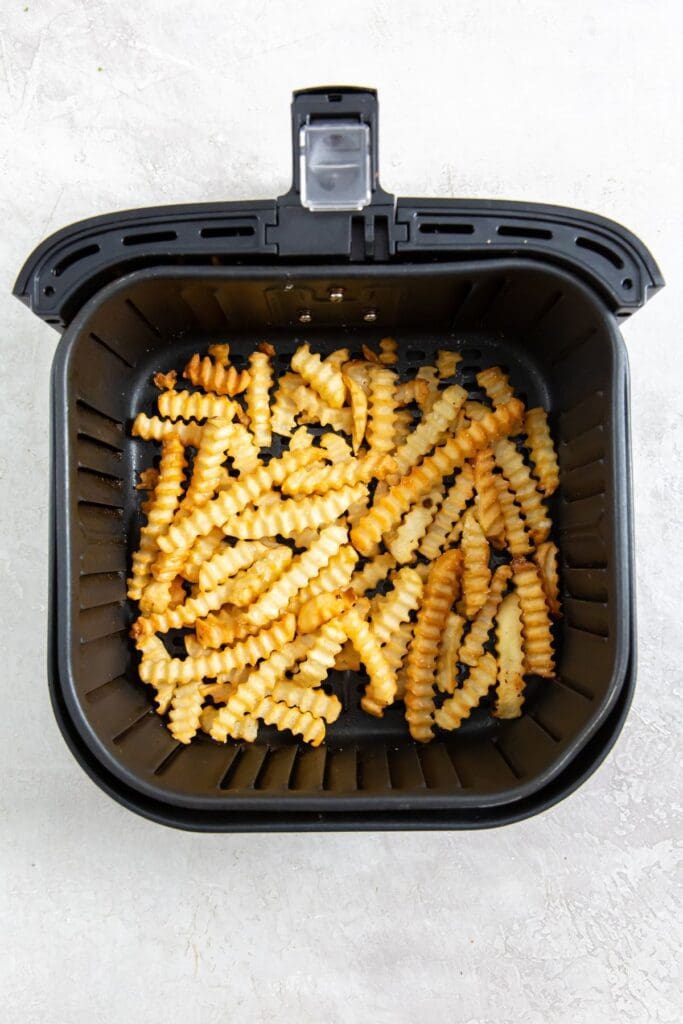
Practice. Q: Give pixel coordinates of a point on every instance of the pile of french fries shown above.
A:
(401, 527)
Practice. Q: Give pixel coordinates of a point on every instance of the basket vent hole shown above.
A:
(48, 290)
(627, 284)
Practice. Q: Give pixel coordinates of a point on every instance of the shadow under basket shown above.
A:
(562, 349)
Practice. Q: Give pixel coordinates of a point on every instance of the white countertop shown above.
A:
(569, 917)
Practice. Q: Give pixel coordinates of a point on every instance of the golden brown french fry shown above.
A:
(476, 573)
(510, 656)
(546, 558)
(538, 640)
(458, 707)
(542, 450)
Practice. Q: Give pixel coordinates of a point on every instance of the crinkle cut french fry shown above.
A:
(321, 479)
(246, 652)
(220, 351)
(395, 651)
(322, 375)
(152, 428)
(381, 409)
(226, 626)
(347, 660)
(386, 512)
(284, 409)
(186, 614)
(243, 451)
(440, 417)
(337, 448)
(301, 723)
(147, 479)
(320, 609)
(518, 475)
(218, 377)
(395, 607)
(381, 689)
(335, 576)
(472, 647)
(546, 557)
(542, 451)
(372, 573)
(228, 560)
(302, 569)
(244, 727)
(313, 409)
(403, 542)
(192, 405)
(447, 362)
(258, 395)
(403, 426)
(478, 683)
(426, 398)
(162, 506)
(388, 351)
(448, 514)
(152, 649)
(496, 384)
(208, 463)
(476, 574)
(290, 516)
(441, 590)
(538, 640)
(516, 538)
(201, 551)
(359, 410)
(447, 663)
(489, 512)
(328, 641)
(510, 657)
(186, 710)
(306, 699)
(301, 438)
(252, 582)
(262, 681)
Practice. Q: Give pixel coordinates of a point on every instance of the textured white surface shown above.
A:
(573, 916)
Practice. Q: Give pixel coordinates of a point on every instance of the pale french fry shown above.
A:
(203, 549)
(338, 358)
(258, 394)
(546, 557)
(335, 576)
(447, 363)
(403, 542)
(320, 609)
(395, 607)
(357, 509)
(186, 614)
(162, 506)
(347, 660)
(313, 409)
(510, 657)
(388, 351)
(523, 487)
(321, 479)
(395, 651)
(152, 428)
(246, 652)
(381, 409)
(186, 710)
(376, 570)
(192, 405)
(538, 640)
(243, 451)
(447, 663)
(208, 463)
(306, 699)
(415, 390)
(359, 411)
(284, 409)
(426, 399)
(381, 689)
(322, 375)
(244, 727)
(542, 451)
(441, 590)
(261, 682)
(437, 537)
(478, 683)
(403, 426)
(152, 649)
(336, 447)
(440, 417)
(489, 512)
(301, 723)
(472, 647)
(476, 574)
(177, 592)
(321, 656)
(250, 584)
(218, 377)
(226, 626)
(290, 516)
(302, 438)
(496, 384)
(386, 512)
(304, 538)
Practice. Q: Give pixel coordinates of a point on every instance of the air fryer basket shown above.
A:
(546, 313)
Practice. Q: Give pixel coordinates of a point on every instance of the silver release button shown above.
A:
(335, 165)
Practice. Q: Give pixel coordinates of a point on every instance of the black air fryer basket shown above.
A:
(537, 289)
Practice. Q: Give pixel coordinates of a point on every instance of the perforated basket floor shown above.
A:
(562, 350)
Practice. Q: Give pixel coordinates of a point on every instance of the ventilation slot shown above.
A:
(149, 237)
(112, 351)
(601, 250)
(445, 228)
(228, 231)
(520, 231)
(74, 257)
